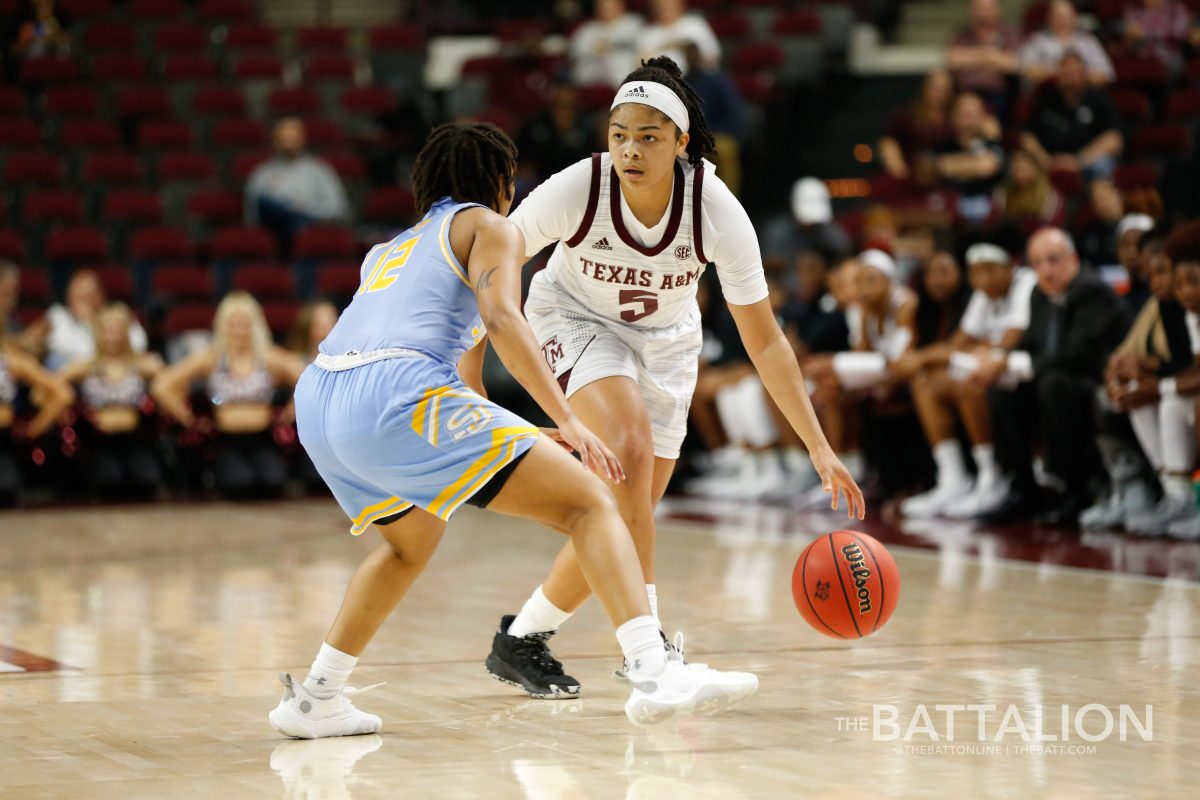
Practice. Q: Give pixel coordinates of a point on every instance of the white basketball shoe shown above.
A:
(303, 716)
(684, 690)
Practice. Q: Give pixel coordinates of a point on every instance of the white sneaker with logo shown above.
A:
(300, 715)
(684, 690)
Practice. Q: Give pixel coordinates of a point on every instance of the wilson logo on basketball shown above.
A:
(858, 568)
(683, 251)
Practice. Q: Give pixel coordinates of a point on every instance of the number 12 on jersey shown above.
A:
(383, 274)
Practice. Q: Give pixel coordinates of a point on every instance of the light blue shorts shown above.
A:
(391, 434)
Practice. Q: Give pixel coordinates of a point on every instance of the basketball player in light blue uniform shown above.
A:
(394, 417)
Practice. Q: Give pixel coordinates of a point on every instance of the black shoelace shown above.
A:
(534, 648)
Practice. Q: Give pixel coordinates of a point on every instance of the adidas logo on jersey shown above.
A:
(602, 244)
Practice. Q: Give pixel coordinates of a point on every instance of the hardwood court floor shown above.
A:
(151, 638)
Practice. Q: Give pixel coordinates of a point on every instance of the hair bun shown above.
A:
(666, 64)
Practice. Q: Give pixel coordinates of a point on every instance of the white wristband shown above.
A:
(1167, 388)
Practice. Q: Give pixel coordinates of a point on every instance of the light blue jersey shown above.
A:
(383, 413)
(412, 294)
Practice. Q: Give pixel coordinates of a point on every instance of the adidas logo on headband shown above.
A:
(638, 91)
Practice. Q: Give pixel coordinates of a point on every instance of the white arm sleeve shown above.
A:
(730, 242)
(552, 212)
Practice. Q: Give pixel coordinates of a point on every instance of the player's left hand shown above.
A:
(553, 435)
(836, 479)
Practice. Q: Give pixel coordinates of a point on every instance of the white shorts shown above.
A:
(581, 349)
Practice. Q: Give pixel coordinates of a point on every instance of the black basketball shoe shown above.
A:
(526, 662)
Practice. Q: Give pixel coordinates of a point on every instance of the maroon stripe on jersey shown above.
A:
(672, 225)
(697, 208)
(592, 204)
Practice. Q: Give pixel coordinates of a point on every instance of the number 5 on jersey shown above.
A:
(383, 274)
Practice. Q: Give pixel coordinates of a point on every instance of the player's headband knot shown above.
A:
(657, 96)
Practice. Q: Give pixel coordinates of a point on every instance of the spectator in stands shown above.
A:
(1044, 51)
(39, 28)
(1160, 28)
(313, 323)
(952, 386)
(1098, 238)
(1130, 231)
(1074, 126)
(671, 29)
(65, 333)
(906, 149)
(556, 137)
(971, 159)
(49, 392)
(723, 108)
(604, 50)
(10, 295)
(1027, 200)
(1075, 322)
(243, 369)
(812, 317)
(983, 56)
(810, 226)
(113, 387)
(293, 189)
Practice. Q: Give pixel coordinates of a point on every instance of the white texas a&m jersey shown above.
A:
(648, 277)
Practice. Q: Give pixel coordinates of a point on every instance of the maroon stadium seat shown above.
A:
(86, 9)
(797, 23)
(1132, 105)
(57, 206)
(48, 69)
(294, 101)
(106, 36)
(258, 67)
(160, 243)
(117, 280)
(72, 101)
(313, 38)
(368, 100)
(1184, 105)
(729, 25)
(756, 87)
(140, 206)
(1140, 71)
(33, 168)
(324, 243)
(224, 11)
(323, 134)
(88, 134)
(245, 163)
(757, 57)
(143, 101)
(18, 134)
(78, 244)
(185, 167)
(164, 134)
(215, 206)
(1137, 175)
(35, 289)
(396, 37)
(338, 279)
(190, 67)
(218, 101)
(123, 66)
(1169, 139)
(155, 9)
(348, 165)
(239, 133)
(12, 102)
(239, 243)
(186, 317)
(182, 282)
(265, 280)
(280, 314)
(180, 37)
(389, 205)
(251, 36)
(12, 245)
(112, 169)
(329, 68)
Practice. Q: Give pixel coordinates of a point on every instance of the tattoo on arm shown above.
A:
(485, 280)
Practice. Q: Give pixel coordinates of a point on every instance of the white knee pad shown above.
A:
(1177, 427)
(756, 414)
(859, 370)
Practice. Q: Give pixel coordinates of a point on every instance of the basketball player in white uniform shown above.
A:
(615, 314)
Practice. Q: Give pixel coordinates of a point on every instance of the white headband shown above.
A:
(984, 253)
(880, 261)
(656, 96)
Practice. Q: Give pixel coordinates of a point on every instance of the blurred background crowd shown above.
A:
(187, 188)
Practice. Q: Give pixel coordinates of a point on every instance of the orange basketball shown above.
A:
(846, 585)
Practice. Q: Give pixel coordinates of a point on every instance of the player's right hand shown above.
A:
(592, 452)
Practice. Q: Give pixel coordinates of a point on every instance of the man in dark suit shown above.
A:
(1075, 322)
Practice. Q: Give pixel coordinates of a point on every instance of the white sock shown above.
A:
(329, 672)
(985, 462)
(652, 596)
(950, 467)
(1177, 487)
(538, 615)
(641, 642)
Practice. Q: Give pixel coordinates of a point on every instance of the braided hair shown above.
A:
(662, 69)
(463, 161)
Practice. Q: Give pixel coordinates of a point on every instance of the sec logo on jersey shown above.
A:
(683, 252)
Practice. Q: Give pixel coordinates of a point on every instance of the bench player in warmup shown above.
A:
(394, 417)
(616, 317)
